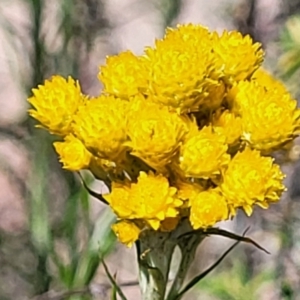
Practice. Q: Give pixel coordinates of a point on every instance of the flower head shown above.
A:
(123, 75)
(179, 68)
(204, 155)
(155, 133)
(56, 103)
(208, 208)
(237, 57)
(229, 125)
(73, 154)
(188, 190)
(265, 79)
(188, 35)
(251, 179)
(120, 201)
(101, 126)
(150, 199)
(270, 118)
(126, 231)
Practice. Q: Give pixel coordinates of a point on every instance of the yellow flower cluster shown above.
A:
(184, 130)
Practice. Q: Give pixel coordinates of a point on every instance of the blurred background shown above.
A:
(52, 233)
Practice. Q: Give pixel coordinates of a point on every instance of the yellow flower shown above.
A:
(268, 81)
(179, 68)
(123, 75)
(215, 94)
(127, 232)
(155, 133)
(120, 201)
(270, 119)
(251, 179)
(188, 190)
(208, 208)
(237, 57)
(101, 125)
(73, 154)
(150, 199)
(188, 35)
(204, 154)
(55, 104)
(229, 125)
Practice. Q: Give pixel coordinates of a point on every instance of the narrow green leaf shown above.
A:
(114, 292)
(233, 236)
(39, 219)
(113, 282)
(188, 246)
(221, 232)
(100, 243)
(91, 192)
(196, 279)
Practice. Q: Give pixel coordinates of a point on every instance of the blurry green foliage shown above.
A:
(289, 62)
(69, 231)
(62, 244)
(235, 283)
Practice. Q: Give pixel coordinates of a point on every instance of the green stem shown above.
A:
(155, 251)
(188, 245)
(38, 46)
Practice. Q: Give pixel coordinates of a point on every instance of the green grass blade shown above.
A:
(101, 242)
(113, 282)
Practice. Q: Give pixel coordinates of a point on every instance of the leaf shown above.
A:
(91, 192)
(233, 236)
(227, 234)
(188, 246)
(100, 243)
(39, 218)
(221, 232)
(196, 279)
(114, 294)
